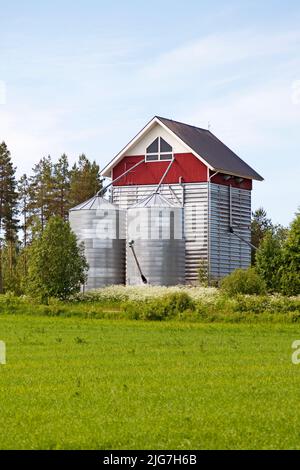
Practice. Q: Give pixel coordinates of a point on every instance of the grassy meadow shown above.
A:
(85, 383)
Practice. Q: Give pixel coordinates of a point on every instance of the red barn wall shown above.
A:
(186, 166)
(218, 179)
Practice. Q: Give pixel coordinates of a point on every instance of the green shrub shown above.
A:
(179, 302)
(269, 260)
(56, 265)
(175, 306)
(159, 309)
(243, 281)
(290, 269)
(251, 304)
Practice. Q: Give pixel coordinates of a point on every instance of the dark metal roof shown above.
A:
(211, 149)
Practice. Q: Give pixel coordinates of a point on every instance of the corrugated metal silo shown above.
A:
(155, 225)
(101, 226)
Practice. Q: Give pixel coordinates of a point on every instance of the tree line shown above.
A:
(29, 202)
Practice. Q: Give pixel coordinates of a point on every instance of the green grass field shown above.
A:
(72, 383)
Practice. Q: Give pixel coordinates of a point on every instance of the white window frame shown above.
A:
(159, 153)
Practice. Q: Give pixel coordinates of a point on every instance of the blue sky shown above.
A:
(85, 76)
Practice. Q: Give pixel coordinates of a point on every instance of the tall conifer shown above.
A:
(8, 208)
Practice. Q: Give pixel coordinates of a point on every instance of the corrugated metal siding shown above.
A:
(196, 228)
(103, 233)
(194, 196)
(226, 251)
(155, 225)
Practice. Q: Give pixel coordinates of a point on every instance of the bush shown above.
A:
(243, 281)
(269, 260)
(56, 265)
(290, 269)
(219, 308)
(118, 294)
(162, 308)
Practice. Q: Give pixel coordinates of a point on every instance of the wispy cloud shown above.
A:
(215, 51)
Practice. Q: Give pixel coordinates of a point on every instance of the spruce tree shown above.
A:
(85, 181)
(61, 189)
(41, 202)
(8, 208)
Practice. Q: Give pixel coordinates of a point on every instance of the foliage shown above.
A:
(52, 189)
(221, 308)
(56, 265)
(117, 294)
(260, 225)
(24, 199)
(11, 275)
(269, 260)
(8, 196)
(243, 281)
(61, 192)
(290, 269)
(40, 205)
(84, 181)
(8, 209)
(159, 309)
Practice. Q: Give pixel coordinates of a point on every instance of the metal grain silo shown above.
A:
(155, 226)
(101, 226)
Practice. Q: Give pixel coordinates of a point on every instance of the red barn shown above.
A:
(208, 179)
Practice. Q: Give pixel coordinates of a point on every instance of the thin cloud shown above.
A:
(215, 51)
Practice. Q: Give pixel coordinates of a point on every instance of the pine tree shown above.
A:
(8, 208)
(85, 181)
(61, 190)
(24, 200)
(11, 275)
(41, 204)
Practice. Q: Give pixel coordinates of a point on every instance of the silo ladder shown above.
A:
(137, 262)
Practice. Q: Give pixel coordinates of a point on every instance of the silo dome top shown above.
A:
(95, 203)
(155, 200)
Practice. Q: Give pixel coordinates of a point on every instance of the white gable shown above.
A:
(139, 148)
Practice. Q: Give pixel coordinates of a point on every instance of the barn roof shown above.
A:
(211, 149)
(205, 145)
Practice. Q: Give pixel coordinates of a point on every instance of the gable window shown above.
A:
(159, 150)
